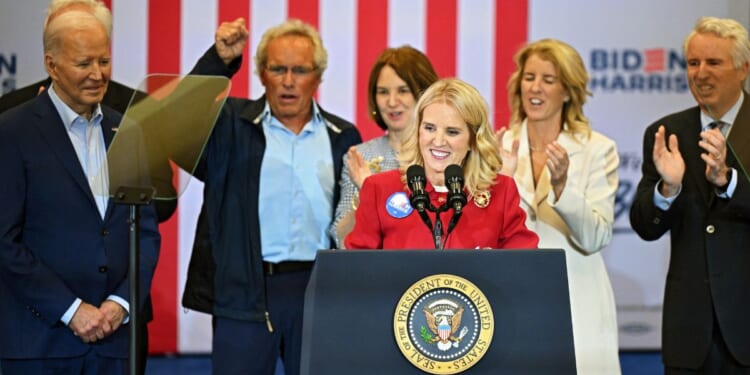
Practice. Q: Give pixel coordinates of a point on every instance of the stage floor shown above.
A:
(633, 363)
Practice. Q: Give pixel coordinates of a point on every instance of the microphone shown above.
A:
(454, 180)
(416, 179)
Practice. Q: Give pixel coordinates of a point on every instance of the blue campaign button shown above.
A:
(398, 205)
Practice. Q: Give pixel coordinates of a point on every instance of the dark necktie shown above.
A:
(718, 125)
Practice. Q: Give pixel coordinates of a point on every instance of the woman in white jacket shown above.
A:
(567, 178)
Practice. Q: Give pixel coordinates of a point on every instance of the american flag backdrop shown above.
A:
(470, 39)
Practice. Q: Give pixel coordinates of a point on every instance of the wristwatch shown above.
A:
(723, 188)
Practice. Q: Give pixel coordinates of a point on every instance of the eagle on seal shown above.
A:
(444, 325)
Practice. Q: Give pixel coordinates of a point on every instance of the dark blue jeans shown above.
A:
(244, 347)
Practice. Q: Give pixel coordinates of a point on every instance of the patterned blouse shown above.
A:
(380, 156)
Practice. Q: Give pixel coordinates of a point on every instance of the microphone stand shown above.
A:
(451, 225)
(437, 230)
(437, 234)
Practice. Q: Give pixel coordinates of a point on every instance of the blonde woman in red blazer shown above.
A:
(451, 126)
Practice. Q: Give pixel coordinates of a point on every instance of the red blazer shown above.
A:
(499, 225)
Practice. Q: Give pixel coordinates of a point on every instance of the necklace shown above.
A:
(541, 133)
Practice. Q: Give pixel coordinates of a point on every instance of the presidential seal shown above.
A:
(443, 324)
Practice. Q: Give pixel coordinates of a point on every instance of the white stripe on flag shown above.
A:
(407, 23)
(475, 48)
(129, 41)
(197, 28)
(337, 93)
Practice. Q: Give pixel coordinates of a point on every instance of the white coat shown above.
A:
(580, 223)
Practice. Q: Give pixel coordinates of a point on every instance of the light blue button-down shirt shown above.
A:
(296, 189)
(665, 202)
(88, 141)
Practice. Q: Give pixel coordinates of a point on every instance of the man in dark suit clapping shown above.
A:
(693, 187)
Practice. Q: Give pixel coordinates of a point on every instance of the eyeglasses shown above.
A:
(282, 70)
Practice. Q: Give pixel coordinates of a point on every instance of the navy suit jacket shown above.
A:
(709, 265)
(54, 245)
(117, 97)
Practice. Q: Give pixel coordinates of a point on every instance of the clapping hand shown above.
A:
(509, 157)
(557, 163)
(358, 168)
(713, 142)
(668, 162)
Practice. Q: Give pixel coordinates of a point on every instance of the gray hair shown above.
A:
(726, 28)
(69, 20)
(96, 7)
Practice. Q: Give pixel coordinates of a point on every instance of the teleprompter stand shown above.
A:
(135, 197)
(164, 130)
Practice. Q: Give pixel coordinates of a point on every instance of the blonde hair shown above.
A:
(292, 27)
(482, 162)
(725, 28)
(572, 75)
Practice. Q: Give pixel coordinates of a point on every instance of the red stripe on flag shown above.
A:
(108, 3)
(305, 10)
(372, 39)
(164, 57)
(229, 10)
(511, 33)
(441, 36)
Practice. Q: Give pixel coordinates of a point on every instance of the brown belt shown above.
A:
(284, 267)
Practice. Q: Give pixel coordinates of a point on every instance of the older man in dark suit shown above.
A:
(693, 187)
(64, 274)
(117, 97)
